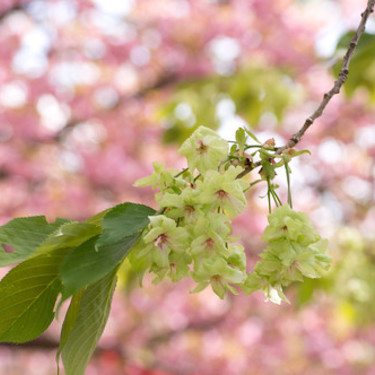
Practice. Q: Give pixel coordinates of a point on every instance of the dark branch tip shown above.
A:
(294, 140)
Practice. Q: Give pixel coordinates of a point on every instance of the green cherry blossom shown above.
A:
(312, 262)
(210, 235)
(177, 269)
(273, 293)
(162, 237)
(237, 257)
(219, 274)
(210, 243)
(284, 222)
(295, 251)
(193, 235)
(204, 150)
(224, 191)
(184, 205)
(161, 178)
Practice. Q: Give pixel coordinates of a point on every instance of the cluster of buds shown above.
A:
(190, 236)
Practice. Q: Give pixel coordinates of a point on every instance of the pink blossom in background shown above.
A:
(83, 85)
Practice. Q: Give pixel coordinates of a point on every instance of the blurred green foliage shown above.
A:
(254, 91)
(350, 282)
(362, 65)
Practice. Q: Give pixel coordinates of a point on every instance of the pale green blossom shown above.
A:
(161, 178)
(210, 235)
(204, 150)
(224, 191)
(219, 274)
(184, 205)
(212, 221)
(273, 293)
(237, 257)
(295, 251)
(177, 269)
(312, 262)
(193, 235)
(295, 225)
(162, 237)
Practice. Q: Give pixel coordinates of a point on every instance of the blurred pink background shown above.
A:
(92, 92)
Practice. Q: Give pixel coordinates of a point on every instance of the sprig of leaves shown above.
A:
(65, 259)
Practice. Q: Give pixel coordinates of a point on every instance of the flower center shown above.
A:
(189, 209)
(217, 278)
(161, 240)
(202, 148)
(209, 243)
(222, 194)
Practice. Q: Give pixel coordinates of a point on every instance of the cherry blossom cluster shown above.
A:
(295, 250)
(190, 235)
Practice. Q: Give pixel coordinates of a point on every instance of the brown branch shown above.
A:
(40, 343)
(342, 77)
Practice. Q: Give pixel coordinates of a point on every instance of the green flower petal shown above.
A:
(204, 150)
(224, 191)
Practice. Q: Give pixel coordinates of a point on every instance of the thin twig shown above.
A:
(342, 77)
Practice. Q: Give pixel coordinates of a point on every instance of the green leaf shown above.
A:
(297, 153)
(85, 265)
(233, 149)
(84, 323)
(241, 138)
(28, 295)
(123, 221)
(252, 135)
(97, 219)
(68, 235)
(99, 255)
(24, 234)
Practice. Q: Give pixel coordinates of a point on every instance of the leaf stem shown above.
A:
(269, 194)
(288, 182)
(275, 197)
(182, 172)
